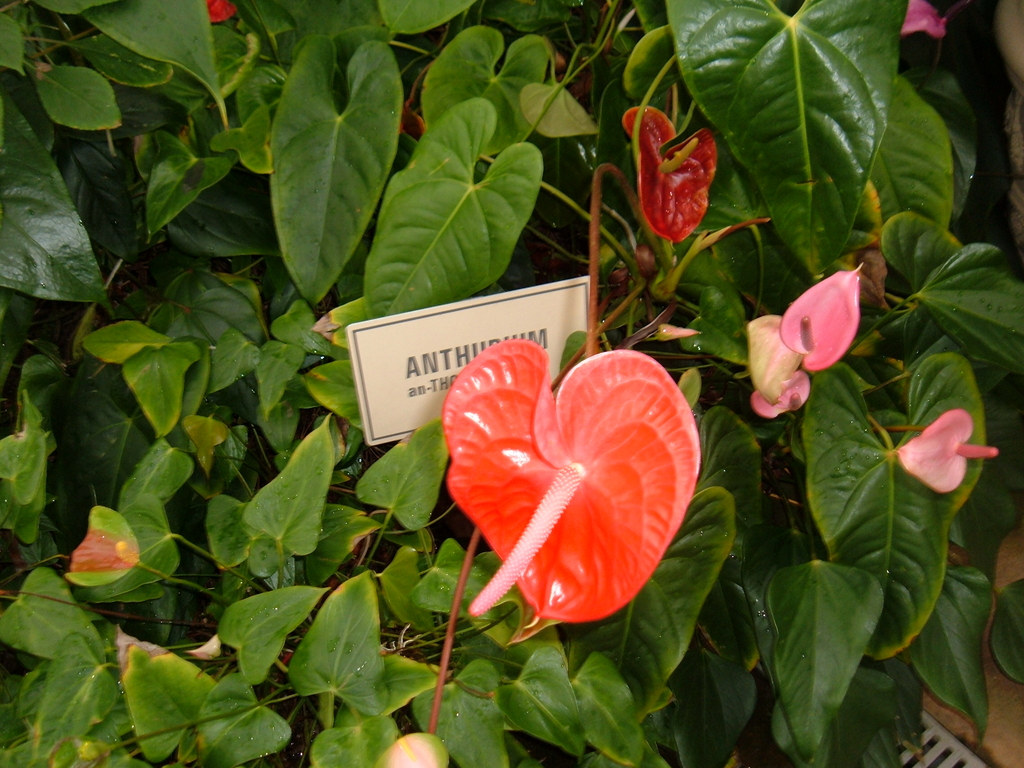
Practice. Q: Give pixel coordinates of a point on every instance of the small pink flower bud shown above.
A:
(922, 17)
(938, 456)
(668, 332)
(823, 322)
(417, 750)
(795, 392)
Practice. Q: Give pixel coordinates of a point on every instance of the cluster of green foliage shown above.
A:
(181, 201)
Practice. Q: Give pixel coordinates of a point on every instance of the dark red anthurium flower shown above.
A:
(673, 188)
(579, 496)
(220, 10)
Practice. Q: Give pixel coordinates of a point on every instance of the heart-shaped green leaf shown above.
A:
(947, 653)
(408, 478)
(730, 457)
(398, 581)
(157, 377)
(442, 235)
(44, 614)
(79, 98)
(871, 513)
(815, 92)
(410, 16)
(607, 710)
(341, 652)
(123, 65)
(824, 614)
(542, 703)
(914, 167)
(1007, 637)
(465, 69)
(353, 742)
(329, 165)
(233, 729)
(554, 111)
(646, 640)
(177, 178)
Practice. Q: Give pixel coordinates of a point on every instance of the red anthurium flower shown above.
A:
(822, 323)
(220, 10)
(581, 496)
(107, 551)
(938, 456)
(922, 17)
(673, 188)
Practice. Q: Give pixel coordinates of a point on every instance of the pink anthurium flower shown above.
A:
(794, 394)
(938, 456)
(922, 17)
(823, 322)
(108, 551)
(772, 363)
(580, 497)
(416, 750)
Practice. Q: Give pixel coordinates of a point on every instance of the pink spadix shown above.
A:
(537, 532)
(938, 456)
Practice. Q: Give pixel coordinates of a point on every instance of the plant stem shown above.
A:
(453, 620)
(209, 556)
(325, 702)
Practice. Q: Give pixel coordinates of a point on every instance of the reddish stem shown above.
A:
(453, 620)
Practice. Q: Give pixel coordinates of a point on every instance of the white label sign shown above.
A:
(403, 365)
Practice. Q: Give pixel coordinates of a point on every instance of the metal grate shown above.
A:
(939, 749)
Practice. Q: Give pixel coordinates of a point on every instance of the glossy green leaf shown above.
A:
(233, 357)
(436, 588)
(259, 625)
(164, 693)
(441, 234)
(79, 692)
(542, 703)
(916, 247)
(121, 64)
(178, 33)
(646, 640)
(714, 700)
(202, 305)
(206, 433)
(228, 219)
(530, 17)
(158, 554)
(409, 16)
(12, 47)
(870, 512)
(984, 520)
(554, 111)
(816, 89)
(71, 6)
(725, 617)
(235, 56)
(722, 326)
(730, 457)
(1007, 637)
(118, 342)
(397, 581)
(237, 730)
(330, 166)
(161, 471)
(229, 539)
(976, 299)
(333, 387)
(646, 60)
(341, 652)
(913, 170)
(278, 363)
(466, 69)
(23, 454)
(98, 183)
(177, 178)
(947, 653)
(15, 317)
(296, 327)
(343, 527)
(353, 742)
(869, 705)
(251, 141)
(79, 98)
(157, 377)
(46, 249)
(470, 724)
(44, 614)
(405, 679)
(941, 90)
(289, 508)
(407, 479)
(607, 710)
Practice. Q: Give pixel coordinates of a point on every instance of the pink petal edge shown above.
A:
(922, 17)
(823, 322)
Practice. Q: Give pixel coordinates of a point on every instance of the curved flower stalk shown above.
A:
(673, 188)
(814, 333)
(580, 509)
(938, 456)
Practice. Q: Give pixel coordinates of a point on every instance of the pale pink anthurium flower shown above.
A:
(922, 17)
(814, 333)
(938, 456)
(417, 750)
(822, 323)
(774, 368)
